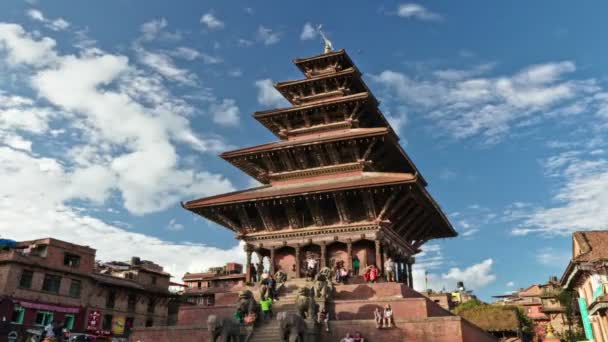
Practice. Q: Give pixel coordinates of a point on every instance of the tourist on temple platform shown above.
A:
(311, 266)
(323, 318)
(373, 274)
(388, 316)
(358, 337)
(378, 318)
(389, 269)
(253, 272)
(356, 264)
(347, 338)
(266, 304)
(272, 287)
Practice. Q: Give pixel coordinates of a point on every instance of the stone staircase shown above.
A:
(269, 330)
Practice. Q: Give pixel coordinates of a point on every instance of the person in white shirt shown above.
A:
(389, 269)
(347, 338)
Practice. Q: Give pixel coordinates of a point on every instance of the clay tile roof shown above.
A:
(356, 96)
(309, 139)
(365, 179)
(593, 245)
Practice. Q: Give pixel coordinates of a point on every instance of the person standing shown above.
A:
(266, 304)
(356, 265)
(373, 274)
(389, 269)
(254, 273)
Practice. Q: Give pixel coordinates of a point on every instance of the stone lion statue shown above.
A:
(246, 304)
(322, 287)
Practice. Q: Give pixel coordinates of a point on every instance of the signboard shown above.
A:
(93, 320)
(118, 325)
(582, 304)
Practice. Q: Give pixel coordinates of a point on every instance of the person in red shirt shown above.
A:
(373, 274)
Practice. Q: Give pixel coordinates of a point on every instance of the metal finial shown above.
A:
(328, 45)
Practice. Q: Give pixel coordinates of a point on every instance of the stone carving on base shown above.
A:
(227, 329)
(293, 327)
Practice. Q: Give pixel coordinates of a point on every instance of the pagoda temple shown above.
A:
(336, 184)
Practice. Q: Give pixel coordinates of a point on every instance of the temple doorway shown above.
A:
(365, 250)
(285, 260)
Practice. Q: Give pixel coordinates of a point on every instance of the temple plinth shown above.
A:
(336, 184)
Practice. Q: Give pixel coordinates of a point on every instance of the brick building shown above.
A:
(540, 303)
(51, 280)
(217, 285)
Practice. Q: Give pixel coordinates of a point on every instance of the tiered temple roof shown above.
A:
(338, 171)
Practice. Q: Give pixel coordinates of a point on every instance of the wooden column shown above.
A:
(378, 255)
(248, 251)
(323, 254)
(260, 266)
(349, 252)
(410, 277)
(404, 273)
(298, 275)
(272, 270)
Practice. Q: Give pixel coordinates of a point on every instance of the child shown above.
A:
(388, 316)
(266, 304)
(378, 318)
(358, 337)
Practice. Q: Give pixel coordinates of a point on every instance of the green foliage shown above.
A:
(473, 303)
(567, 299)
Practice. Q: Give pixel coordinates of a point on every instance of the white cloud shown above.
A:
(58, 24)
(416, 11)
(111, 242)
(213, 23)
(125, 125)
(267, 36)
(23, 48)
(164, 65)
(225, 113)
(244, 42)
(510, 284)
(192, 54)
(551, 257)
(474, 277)
(268, 95)
(308, 32)
(581, 198)
(155, 29)
(463, 104)
(174, 226)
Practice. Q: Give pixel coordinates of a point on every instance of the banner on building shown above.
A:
(118, 325)
(582, 304)
(93, 320)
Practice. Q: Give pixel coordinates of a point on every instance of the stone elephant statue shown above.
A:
(305, 303)
(227, 329)
(292, 327)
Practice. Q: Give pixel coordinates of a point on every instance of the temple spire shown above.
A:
(328, 45)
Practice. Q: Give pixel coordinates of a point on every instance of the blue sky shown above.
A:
(113, 112)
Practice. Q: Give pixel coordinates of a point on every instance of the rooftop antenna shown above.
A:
(328, 45)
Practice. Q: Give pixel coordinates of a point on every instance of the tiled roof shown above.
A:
(357, 96)
(593, 245)
(309, 139)
(365, 179)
